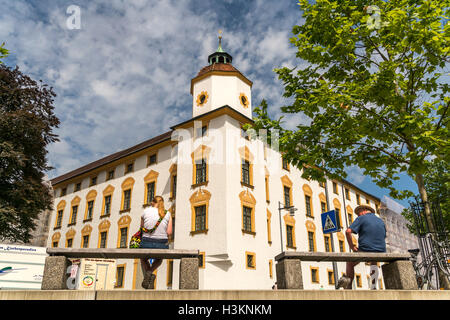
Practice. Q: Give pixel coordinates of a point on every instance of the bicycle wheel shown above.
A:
(432, 275)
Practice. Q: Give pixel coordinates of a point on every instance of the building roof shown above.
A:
(218, 67)
(115, 156)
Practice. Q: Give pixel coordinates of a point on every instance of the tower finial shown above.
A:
(220, 41)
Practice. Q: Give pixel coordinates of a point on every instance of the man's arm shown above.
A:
(348, 234)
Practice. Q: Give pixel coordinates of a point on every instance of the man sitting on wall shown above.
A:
(371, 238)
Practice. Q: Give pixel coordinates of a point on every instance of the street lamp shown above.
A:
(291, 210)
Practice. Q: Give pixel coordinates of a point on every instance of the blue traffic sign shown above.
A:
(329, 223)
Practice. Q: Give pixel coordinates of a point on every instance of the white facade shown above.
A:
(224, 241)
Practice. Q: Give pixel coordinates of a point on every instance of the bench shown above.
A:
(398, 272)
(57, 262)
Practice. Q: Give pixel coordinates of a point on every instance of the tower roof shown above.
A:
(219, 56)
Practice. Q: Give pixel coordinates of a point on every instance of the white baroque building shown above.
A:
(222, 189)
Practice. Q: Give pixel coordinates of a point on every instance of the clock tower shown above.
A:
(219, 84)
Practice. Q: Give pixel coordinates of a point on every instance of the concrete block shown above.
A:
(55, 273)
(399, 275)
(289, 274)
(189, 273)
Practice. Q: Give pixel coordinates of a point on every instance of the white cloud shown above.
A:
(124, 77)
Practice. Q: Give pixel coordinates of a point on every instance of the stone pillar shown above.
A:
(189, 273)
(289, 274)
(399, 275)
(55, 273)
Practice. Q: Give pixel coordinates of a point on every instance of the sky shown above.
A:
(124, 75)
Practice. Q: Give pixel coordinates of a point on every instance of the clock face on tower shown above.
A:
(243, 100)
(202, 98)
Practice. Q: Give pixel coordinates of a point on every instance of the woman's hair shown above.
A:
(160, 205)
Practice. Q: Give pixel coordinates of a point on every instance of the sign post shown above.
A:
(329, 226)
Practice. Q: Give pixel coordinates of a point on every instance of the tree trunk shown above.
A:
(424, 198)
(443, 280)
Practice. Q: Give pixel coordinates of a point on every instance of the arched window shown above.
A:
(248, 203)
(107, 201)
(199, 208)
(308, 201)
(150, 181)
(123, 230)
(127, 190)
(311, 232)
(103, 230)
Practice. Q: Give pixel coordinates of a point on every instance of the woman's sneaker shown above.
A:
(345, 282)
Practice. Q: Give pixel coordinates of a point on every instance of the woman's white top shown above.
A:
(151, 217)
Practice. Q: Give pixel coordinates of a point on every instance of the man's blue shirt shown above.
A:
(371, 233)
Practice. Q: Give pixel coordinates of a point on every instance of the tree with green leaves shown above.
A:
(3, 51)
(373, 90)
(26, 128)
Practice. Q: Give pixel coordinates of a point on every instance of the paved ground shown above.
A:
(226, 295)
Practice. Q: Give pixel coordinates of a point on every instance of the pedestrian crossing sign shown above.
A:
(329, 223)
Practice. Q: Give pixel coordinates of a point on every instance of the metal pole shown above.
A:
(281, 229)
(335, 269)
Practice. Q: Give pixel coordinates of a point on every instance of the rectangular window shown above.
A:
(55, 244)
(289, 236)
(367, 201)
(85, 241)
(287, 196)
(327, 243)
(245, 171)
(250, 260)
(341, 246)
(90, 210)
(63, 192)
(330, 277)
(119, 276)
(358, 199)
(347, 194)
(152, 159)
(59, 219)
(200, 218)
(323, 207)
(74, 215)
(150, 192)
(308, 206)
(69, 243)
(201, 260)
(93, 181)
(350, 218)
(315, 275)
(78, 186)
(335, 189)
(107, 205)
(174, 186)
(103, 236)
(200, 168)
(129, 168)
(110, 175)
(338, 217)
(311, 241)
(126, 199)
(247, 216)
(285, 164)
(123, 237)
